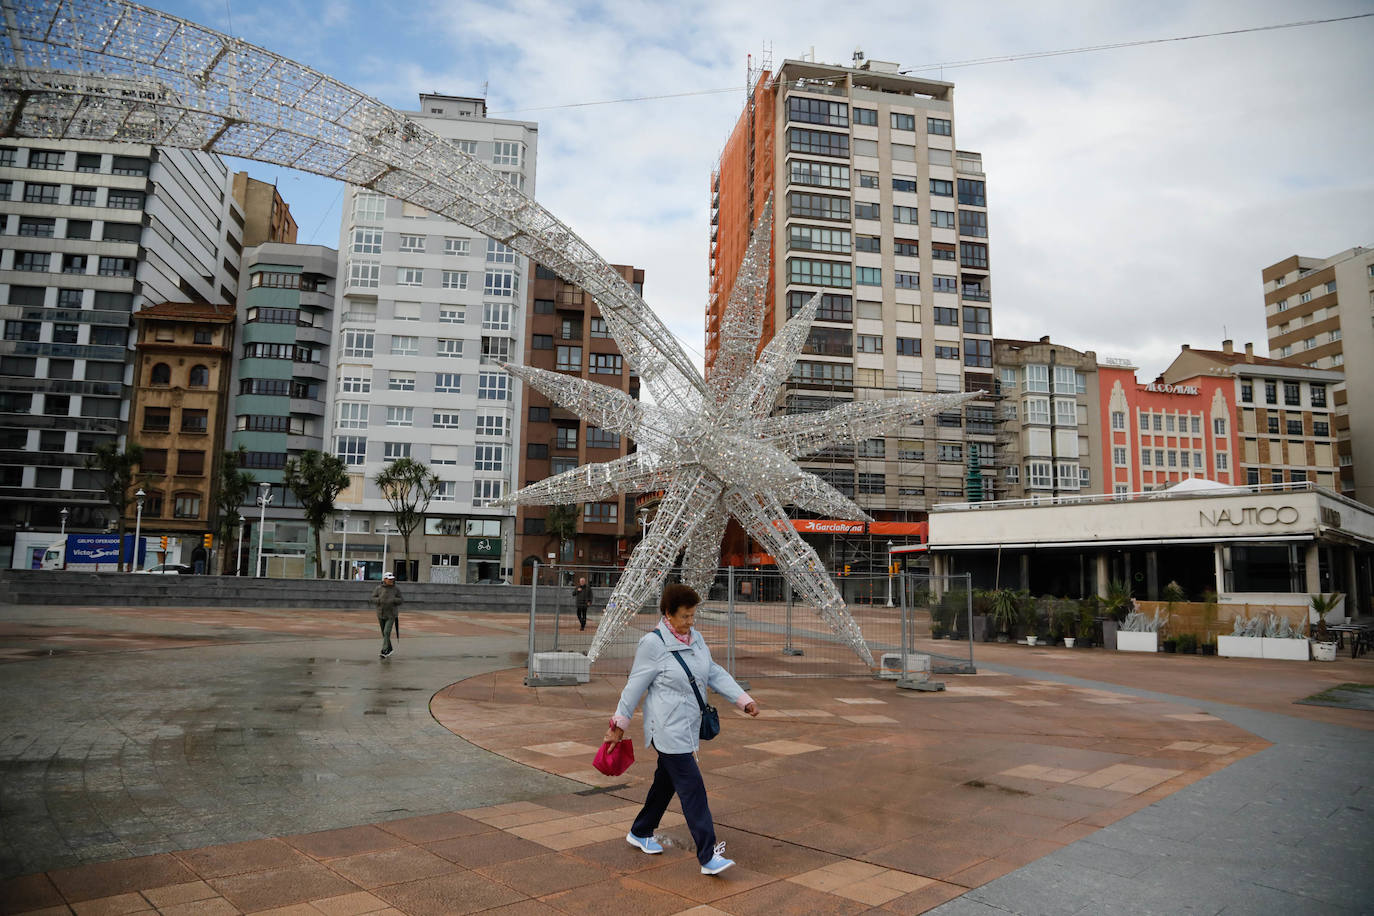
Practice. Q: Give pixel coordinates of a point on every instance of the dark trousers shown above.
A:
(679, 773)
(387, 624)
(582, 617)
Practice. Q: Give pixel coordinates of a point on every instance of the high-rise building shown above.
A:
(93, 232)
(1281, 412)
(566, 333)
(426, 309)
(879, 211)
(1051, 419)
(277, 397)
(1317, 311)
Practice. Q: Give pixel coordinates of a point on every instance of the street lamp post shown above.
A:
(889, 574)
(138, 524)
(387, 532)
(343, 555)
(643, 523)
(264, 497)
(238, 557)
(63, 513)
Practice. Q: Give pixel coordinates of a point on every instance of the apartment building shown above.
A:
(267, 216)
(879, 211)
(1320, 313)
(285, 325)
(426, 307)
(1281, 410)
(181, 374)
(1051, 442)
(566, 333)
(92, 233)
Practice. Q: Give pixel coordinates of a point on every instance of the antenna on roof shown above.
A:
(858, 57)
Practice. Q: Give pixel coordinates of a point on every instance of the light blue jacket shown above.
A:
(671, 715)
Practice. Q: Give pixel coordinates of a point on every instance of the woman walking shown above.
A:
(672, 722)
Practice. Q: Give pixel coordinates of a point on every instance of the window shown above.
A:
(946, 316)
(868, 180)
(941, 188)
(949, 451)
(1272, 425)
(395, 451)
(977, 320)
(194, 421)
(902, 121)
(1119, 456)
(866, 116)
(449, 348)
(818, 142)
(35, 193)
(116, 267)
(867, 211)
(974, 223)
(972, 193)
(817, 111)
(539, 414)
(129, 165)
(1158, 422)
(978, 353)
(939, 126)
(199, 377)
(45, 159)
(972, 254)
(364, 274)
(451, 315)
(491, 424)
(507, 153)
(814, 238)
(81, 229)
(565, 437)
(1321, 428)
(868, 276)
(600, 438)
(125, 200)
(905, 215)
(904, 279)
(1037, 410)
(367, 241)
(400, 416)
(357, 344)
(814, 373)
(942, 219)
(904, 184)
(30, 330)
(600, 513)
(1292, 396)
(39, 227)
(599, 329)
(820, 174)
(1294, 427)
(1271, 391)
(186, 505)
(493, 386)
(410, 276)
(500, 283)
(569, 359)
(818, 273)
(413, 243)
(908, 346)
(32, 260)
(448, 383)
(833, 306)
(605, 364)
(905, 248)
(352, 415)
(405, 345)
(817, 206)
(873, 448)
(869, 343)
(355, 384)
(82, 197)
(489, 458)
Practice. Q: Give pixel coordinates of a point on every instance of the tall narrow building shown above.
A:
(92, 233)
(1317, 311)
(566, 333)
(879, 211)
(426, 309)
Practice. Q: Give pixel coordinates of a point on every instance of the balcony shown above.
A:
(975, 294)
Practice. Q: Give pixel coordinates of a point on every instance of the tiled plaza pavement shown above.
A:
(1016, 790)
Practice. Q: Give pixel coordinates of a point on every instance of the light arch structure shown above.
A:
(114, 71)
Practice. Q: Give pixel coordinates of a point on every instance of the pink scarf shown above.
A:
(686, 639)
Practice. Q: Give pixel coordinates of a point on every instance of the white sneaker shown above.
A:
(645, 844)
(718, 861)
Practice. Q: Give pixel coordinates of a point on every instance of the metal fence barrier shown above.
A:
(756, 628)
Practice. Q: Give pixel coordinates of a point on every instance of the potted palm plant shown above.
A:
(1006, 610)
(1323, 645)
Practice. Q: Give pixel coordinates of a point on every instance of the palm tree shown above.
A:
(117, 465)
(561, 522)
(316, 479)
(408, 486)
(231, 490)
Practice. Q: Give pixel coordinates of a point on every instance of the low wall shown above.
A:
(53, 587)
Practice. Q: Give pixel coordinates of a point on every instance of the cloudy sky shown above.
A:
(1134, 194)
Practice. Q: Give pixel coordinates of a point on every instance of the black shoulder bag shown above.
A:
(710, 719)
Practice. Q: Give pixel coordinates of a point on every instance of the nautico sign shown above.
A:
(1249, 515)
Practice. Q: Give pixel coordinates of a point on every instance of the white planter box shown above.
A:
(1293, 650)
(1127, 641)
(1240, 646)
(1324, 651)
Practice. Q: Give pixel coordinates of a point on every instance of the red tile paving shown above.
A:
(958, 788)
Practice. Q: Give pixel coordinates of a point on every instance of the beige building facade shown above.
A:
(1320, 313)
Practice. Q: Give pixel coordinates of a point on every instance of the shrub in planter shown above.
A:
(1170, 645)
(1207, 648)
(1139, 633)
(1187, 643)
(1005, 606)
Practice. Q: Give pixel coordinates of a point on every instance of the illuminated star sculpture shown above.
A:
(716, 453)
(109, 70)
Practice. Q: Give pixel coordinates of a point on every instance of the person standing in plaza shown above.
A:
(583, 595)
(672, 723)
(386, 598)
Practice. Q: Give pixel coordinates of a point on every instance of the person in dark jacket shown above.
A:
(583, 595)
(386, 598)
